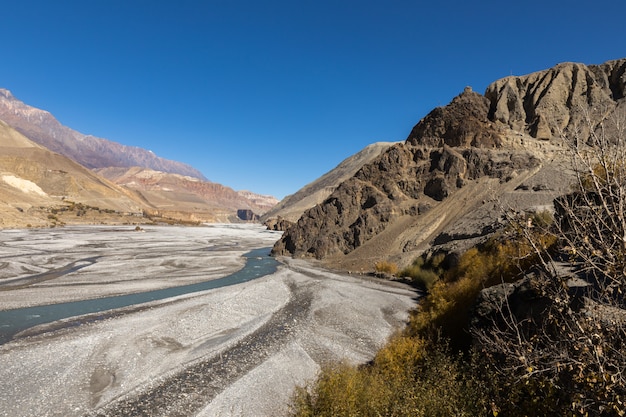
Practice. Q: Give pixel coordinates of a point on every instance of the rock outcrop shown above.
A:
(278, 224)
(247, 215)
(557, 101)
(460, 167)
(291, 207)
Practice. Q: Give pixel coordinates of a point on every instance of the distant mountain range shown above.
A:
(184, 197)
(92, 152)
(36, 182)
(46, 167)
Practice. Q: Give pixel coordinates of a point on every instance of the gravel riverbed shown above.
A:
(231, 351)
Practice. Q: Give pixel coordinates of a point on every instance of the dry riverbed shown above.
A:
(232, 351)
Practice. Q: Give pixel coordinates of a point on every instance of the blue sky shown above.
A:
(269, 95)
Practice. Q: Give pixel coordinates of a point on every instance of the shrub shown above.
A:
(424, 272)
(416, 374)
(542, 219)
(423, 278)
(409, 377)
(385, 267)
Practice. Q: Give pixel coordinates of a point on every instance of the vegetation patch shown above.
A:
(551, 339)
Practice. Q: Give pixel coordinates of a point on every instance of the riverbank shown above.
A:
(51, 266)
(232, 351)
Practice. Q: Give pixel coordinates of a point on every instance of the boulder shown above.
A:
(247, 215)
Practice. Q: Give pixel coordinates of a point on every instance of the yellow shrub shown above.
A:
(386, 267)
(410, 377)
(343, 390)
(400, 355)
(424, 272)
(445, 311)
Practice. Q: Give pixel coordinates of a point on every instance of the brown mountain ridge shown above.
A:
(91, 152)
(291, 207)
(35, 183)
(187, 198)
(459, 168)
(159, 188)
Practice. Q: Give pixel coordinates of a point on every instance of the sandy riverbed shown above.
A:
(232, 351)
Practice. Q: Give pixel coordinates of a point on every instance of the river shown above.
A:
(235, 350)
(258, 263)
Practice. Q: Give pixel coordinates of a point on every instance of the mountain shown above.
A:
(187, 198)
(292, 206)
(460, 169)
(39, 187)
(92, 152)
(164, 188)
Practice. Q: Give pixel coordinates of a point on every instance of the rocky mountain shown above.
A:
(92, 152)
(38, 187)
(291, 207)
(549, 103)
(188, 198)
(260, 202)
(460, 169)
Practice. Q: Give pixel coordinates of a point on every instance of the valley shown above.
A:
(236, 350)
(505, 208)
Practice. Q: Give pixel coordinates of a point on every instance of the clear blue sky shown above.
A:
(269, 95)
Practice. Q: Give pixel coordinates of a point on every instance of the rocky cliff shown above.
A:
(291, 207)
(460, 167)
(92, 152)
(558, 101)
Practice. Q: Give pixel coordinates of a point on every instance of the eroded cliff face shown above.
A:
(458, 158)
(451, 146)
(560, 100)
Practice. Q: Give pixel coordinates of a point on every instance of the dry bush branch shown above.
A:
(565, 324)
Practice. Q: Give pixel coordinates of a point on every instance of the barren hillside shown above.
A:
(37, 185)
(41, 127)
(461, 167)
(188, 198)
(292, 206)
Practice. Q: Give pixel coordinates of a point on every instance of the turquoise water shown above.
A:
(258, 264)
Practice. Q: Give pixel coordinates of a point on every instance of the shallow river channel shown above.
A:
(258, 264)
(105, 321)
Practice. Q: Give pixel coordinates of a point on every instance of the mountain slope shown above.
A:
(35, 181)
(556, 101)
(183, 197)
(89, 151)
(292, 206)
(460, 167)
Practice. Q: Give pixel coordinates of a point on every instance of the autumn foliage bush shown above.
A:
(429, 369)
(409, 377)
(386, 267)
